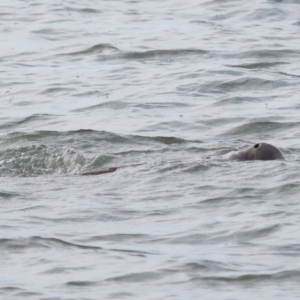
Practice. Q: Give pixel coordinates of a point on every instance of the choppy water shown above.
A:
(169, 85)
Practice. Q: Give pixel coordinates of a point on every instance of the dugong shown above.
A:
(260, 151)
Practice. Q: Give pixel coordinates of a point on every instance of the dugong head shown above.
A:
(260, 151)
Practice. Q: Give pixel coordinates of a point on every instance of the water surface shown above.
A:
(167, 86)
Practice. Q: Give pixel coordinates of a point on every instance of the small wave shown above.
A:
(159, 54)
(169, 105)
(273, 14)
(90, 93)
(115, 105)
(258, 65)
(137, 277)
(237, 85)
(293, 275)
(108, 51)
(265, 127)
(56, 90)
(268, 54)
(40, 242)
(5, 195)
(99, 48)
(39, 160)
(116, 238)
(27, 120)
(235, 101)
(51, 152)
(81, 283)
(85, 10)
(206, 266)
(248, 83)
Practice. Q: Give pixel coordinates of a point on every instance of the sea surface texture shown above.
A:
(162, 89)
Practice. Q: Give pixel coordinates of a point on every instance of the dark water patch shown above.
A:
(272, 14)
(236, 101)
(258, 65)
(248, 83)
(199, 168)
(290, 75)
(63, 270)
(137, 277)
(7, 196)
(226, 200)
(57, 90)
(289, 188)
(121, 295)
(86, 10)
(27, 294)
(25, 53)
(237, 85)
(27, 120)
(88, 218)
(10, 288)
(261, 278)
(162, 54)
(10, 84)
(32, 208)
(134, 252)
(116, 238)
(170, 126)
(257, 233)
(265, 127)
(208, 266)
(47, 31)
(161, 105)
(240, 236)
(190, 239)
(82, 283)
(221, 121)
(109, 52)
(286, 1)
(22, 103)
(89, 94)
(97, 49)
(115, 105)
(89, 10)
(52, 298)
(169, 140)
(40, 242)
(292, 250)
(269, 54)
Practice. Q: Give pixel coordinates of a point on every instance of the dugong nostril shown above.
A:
(256, 146)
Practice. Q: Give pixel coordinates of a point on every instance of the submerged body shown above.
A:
(260, 151)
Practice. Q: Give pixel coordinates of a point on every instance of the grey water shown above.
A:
(160, 89)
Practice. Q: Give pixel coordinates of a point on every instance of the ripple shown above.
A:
(6, 195)
(269, 54)
(81, 283)
(40, 242)
(137, 277)
(266, 127)
(99, 48)
(248, 83)
(293, 275)
(258, 65)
